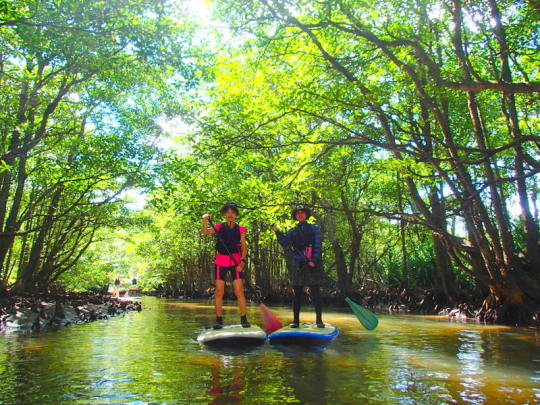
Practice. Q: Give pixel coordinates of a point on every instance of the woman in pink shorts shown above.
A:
(230, 259)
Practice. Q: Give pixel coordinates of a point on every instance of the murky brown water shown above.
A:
(152, 357)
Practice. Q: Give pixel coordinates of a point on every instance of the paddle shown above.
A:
(270, 321)
(365, 316)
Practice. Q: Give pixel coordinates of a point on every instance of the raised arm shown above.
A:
(207, 230)
(284, 239)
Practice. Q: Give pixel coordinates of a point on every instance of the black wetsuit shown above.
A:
(305, 241)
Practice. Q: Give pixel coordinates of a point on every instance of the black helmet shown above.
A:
(229, 206)
(301, 208)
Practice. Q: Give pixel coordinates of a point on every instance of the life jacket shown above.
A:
(228, 239)
(302, 236)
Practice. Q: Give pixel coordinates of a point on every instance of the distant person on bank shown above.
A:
(306, 241)
(116, 289)
(230, 259)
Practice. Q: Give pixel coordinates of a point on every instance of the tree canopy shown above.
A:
(410, 128)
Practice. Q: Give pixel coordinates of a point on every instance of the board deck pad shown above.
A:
(235, 335)
(306, 333)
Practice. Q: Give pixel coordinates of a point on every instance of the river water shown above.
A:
(152, 357)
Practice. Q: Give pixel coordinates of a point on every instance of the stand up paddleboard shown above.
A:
(305, 334)
(233, 335)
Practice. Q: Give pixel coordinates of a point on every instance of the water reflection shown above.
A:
(152, 357)
(227, 380)
(471, 368)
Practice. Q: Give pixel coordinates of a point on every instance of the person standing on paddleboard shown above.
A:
(230, 259)
(306, 242)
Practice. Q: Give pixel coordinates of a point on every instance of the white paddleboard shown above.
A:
(235, 335)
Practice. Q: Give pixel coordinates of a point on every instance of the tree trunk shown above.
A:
(356, 238)
(402, 235)
(532, 251)
(341, 265)
(8, 236)
(27, 277)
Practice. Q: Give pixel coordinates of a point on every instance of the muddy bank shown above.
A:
(466, 307)
(20, 314)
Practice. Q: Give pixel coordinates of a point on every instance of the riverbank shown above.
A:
(416, 301)
(27, 314)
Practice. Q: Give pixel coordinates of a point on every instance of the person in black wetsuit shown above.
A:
(305, 240)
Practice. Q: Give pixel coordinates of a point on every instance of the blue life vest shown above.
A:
(302, 236)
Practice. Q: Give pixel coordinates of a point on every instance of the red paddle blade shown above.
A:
(271, 322)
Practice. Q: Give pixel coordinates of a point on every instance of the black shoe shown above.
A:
(294, 325)
(244, 322)
(320, 324)
(219, 322)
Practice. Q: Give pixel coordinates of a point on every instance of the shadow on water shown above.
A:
(229, 350)
(295, 350)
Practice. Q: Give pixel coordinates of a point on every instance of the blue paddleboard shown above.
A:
(305, 334)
